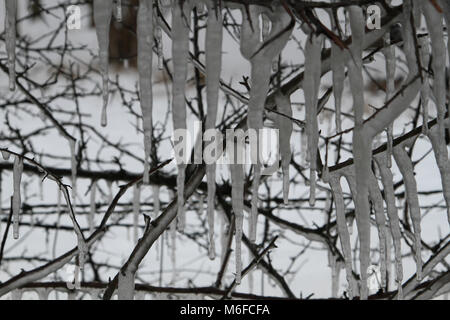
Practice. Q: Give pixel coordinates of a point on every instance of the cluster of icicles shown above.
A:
(261, 51)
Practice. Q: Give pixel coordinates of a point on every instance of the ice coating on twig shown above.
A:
(103, 10)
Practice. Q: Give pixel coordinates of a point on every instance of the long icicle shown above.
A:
(425, 90)
(237, 199)
(313, 61)
(93, 208)
(361, 144)
(103, 10)
(389, 54)
(16, 205)
(181, 13)
(377, 201)
(136, 210)
(214, 37)
(405, 165)
(388, 186)
(10, 35)
(261, 55)
(285, 128)
(338, 69)
(145, 62)
(344, 236)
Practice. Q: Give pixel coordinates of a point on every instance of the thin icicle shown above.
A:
(119, 11)
(213, 43)
(261, 55)
(237, 199)
(145, 62)
(434, 20)
(93, 207)
(425, 90)
(110, 192)
(16, 205)
(389, 54)
(156, 201)
(313, 72)
(103, 10)
(10, 35)
(362, 144)
(159, 48)
(408, 41)
(344, 236)
(377, 201)
(136, 210)
(405, 165)
(285, 128)
(181, 13)
(338, 69)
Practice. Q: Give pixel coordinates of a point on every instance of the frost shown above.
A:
(10, 35)
(16, 202)
(103, 10)
(145, 62)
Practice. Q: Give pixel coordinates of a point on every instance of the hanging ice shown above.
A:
(181, 13)
(214, 35)
(136, 210)
(16, 202)
(237, 198)
(10, 35)
(145, 62)
(103, 10)
(156, 201)
(313, 65)
(285, 128)
(93, 208)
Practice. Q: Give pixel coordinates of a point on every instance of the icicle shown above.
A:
(213, 43)
(136, 210)
(103, 10)
(362, 144)
(110, 193)
(237, 198)
(6, 155)
(344, 235)
(408, 41)
(285, 128)
(145, 62)
(156, 201)
(93, 208)
(377, 202)
(181, 13)
(394, 223)
(313, 72)
(119, 12)
(10, 35)
(260, 54)
(389, 54)
(159, 48)
(73, 164)
(338, 69)
(405, 165)
(425, 90)
(435, 26)
(17, 177)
